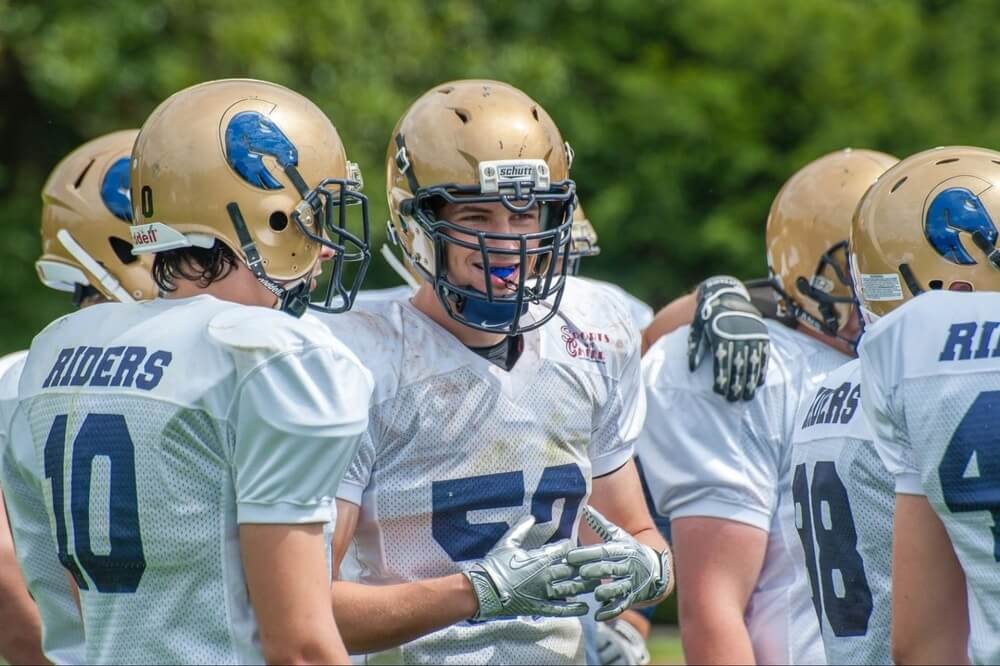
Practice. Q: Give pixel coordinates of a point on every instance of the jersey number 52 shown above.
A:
(455, 498)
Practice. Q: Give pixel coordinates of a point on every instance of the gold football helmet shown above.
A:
(482, 142)
(807, 231)
(259, 168)
(928, 223)
(584, 240)
(85, 224)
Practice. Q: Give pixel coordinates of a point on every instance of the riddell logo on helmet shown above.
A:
(583, 344)
(144, 235)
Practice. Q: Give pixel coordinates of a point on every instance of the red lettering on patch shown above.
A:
(583, 344)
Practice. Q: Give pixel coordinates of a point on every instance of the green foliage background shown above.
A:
(686, 116)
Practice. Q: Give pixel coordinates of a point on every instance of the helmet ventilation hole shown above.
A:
(995, 161)
(898, 184)
(446, 91)
(278, 221)
(534, 112)
(83, 174)
(122, 250)
(947, 161)
(462, 114)
(935, 284)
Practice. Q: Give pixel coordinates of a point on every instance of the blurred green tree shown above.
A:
(686, 117)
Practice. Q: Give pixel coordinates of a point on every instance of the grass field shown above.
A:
(665, 646)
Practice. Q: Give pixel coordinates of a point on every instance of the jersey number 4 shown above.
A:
(454, 499)
(101, 435)
(970, 468)
(826, 510)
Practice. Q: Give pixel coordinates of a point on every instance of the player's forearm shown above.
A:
(20, 625)
(929, 650)
(638, 621)
(715, 637)
(380, 617)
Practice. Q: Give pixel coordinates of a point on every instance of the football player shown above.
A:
(720, 471)
(924, 237)
(843, 499)
(86, 250)
(506, 396)
(193, 443)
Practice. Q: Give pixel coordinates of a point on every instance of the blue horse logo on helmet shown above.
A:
(249, 137)
(114, 190)
(953, 211)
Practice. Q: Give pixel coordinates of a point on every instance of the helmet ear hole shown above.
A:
(935, 284)
(122, 250)
(278, 221)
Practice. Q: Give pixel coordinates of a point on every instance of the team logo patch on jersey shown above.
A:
(250, 137)
(584, 344)
(951, 212)
(114, 190)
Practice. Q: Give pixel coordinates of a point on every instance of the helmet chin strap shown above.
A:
(108, 281)
(293, 297)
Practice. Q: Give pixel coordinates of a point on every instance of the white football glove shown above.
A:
(512, 581)
(637, 572)
(728, 324)
(618, 642)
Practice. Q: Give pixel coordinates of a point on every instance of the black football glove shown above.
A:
(728, 324)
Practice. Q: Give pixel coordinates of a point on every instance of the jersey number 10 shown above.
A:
(847, 613)
(100, 435)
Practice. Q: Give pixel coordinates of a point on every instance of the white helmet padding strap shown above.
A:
(396, 265)
(108, 281)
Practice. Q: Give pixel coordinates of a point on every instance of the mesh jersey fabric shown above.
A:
(931, 390)
(642, 313)
(237, 414)
(62, 628)
(844, 503)
(704, 456)
(459, 449)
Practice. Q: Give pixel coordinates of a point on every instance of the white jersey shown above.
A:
(62, 628)
(387, 294)
(642, 314)
(844, 501)
(931, 390)
(459, 449)
(704, 456)
(160, 427)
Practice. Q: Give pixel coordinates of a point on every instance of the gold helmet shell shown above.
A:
(930, 222)
(807, 231)
(248, 163)
(85, 223)
(479, 140)
(584, 239)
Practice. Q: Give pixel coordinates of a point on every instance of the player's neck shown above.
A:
(427, 302)
(831, 341)
(239, 286)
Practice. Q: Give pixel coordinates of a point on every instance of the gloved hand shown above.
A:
(726, 322)
(618, 642)
(512, 581)
(637, 572)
